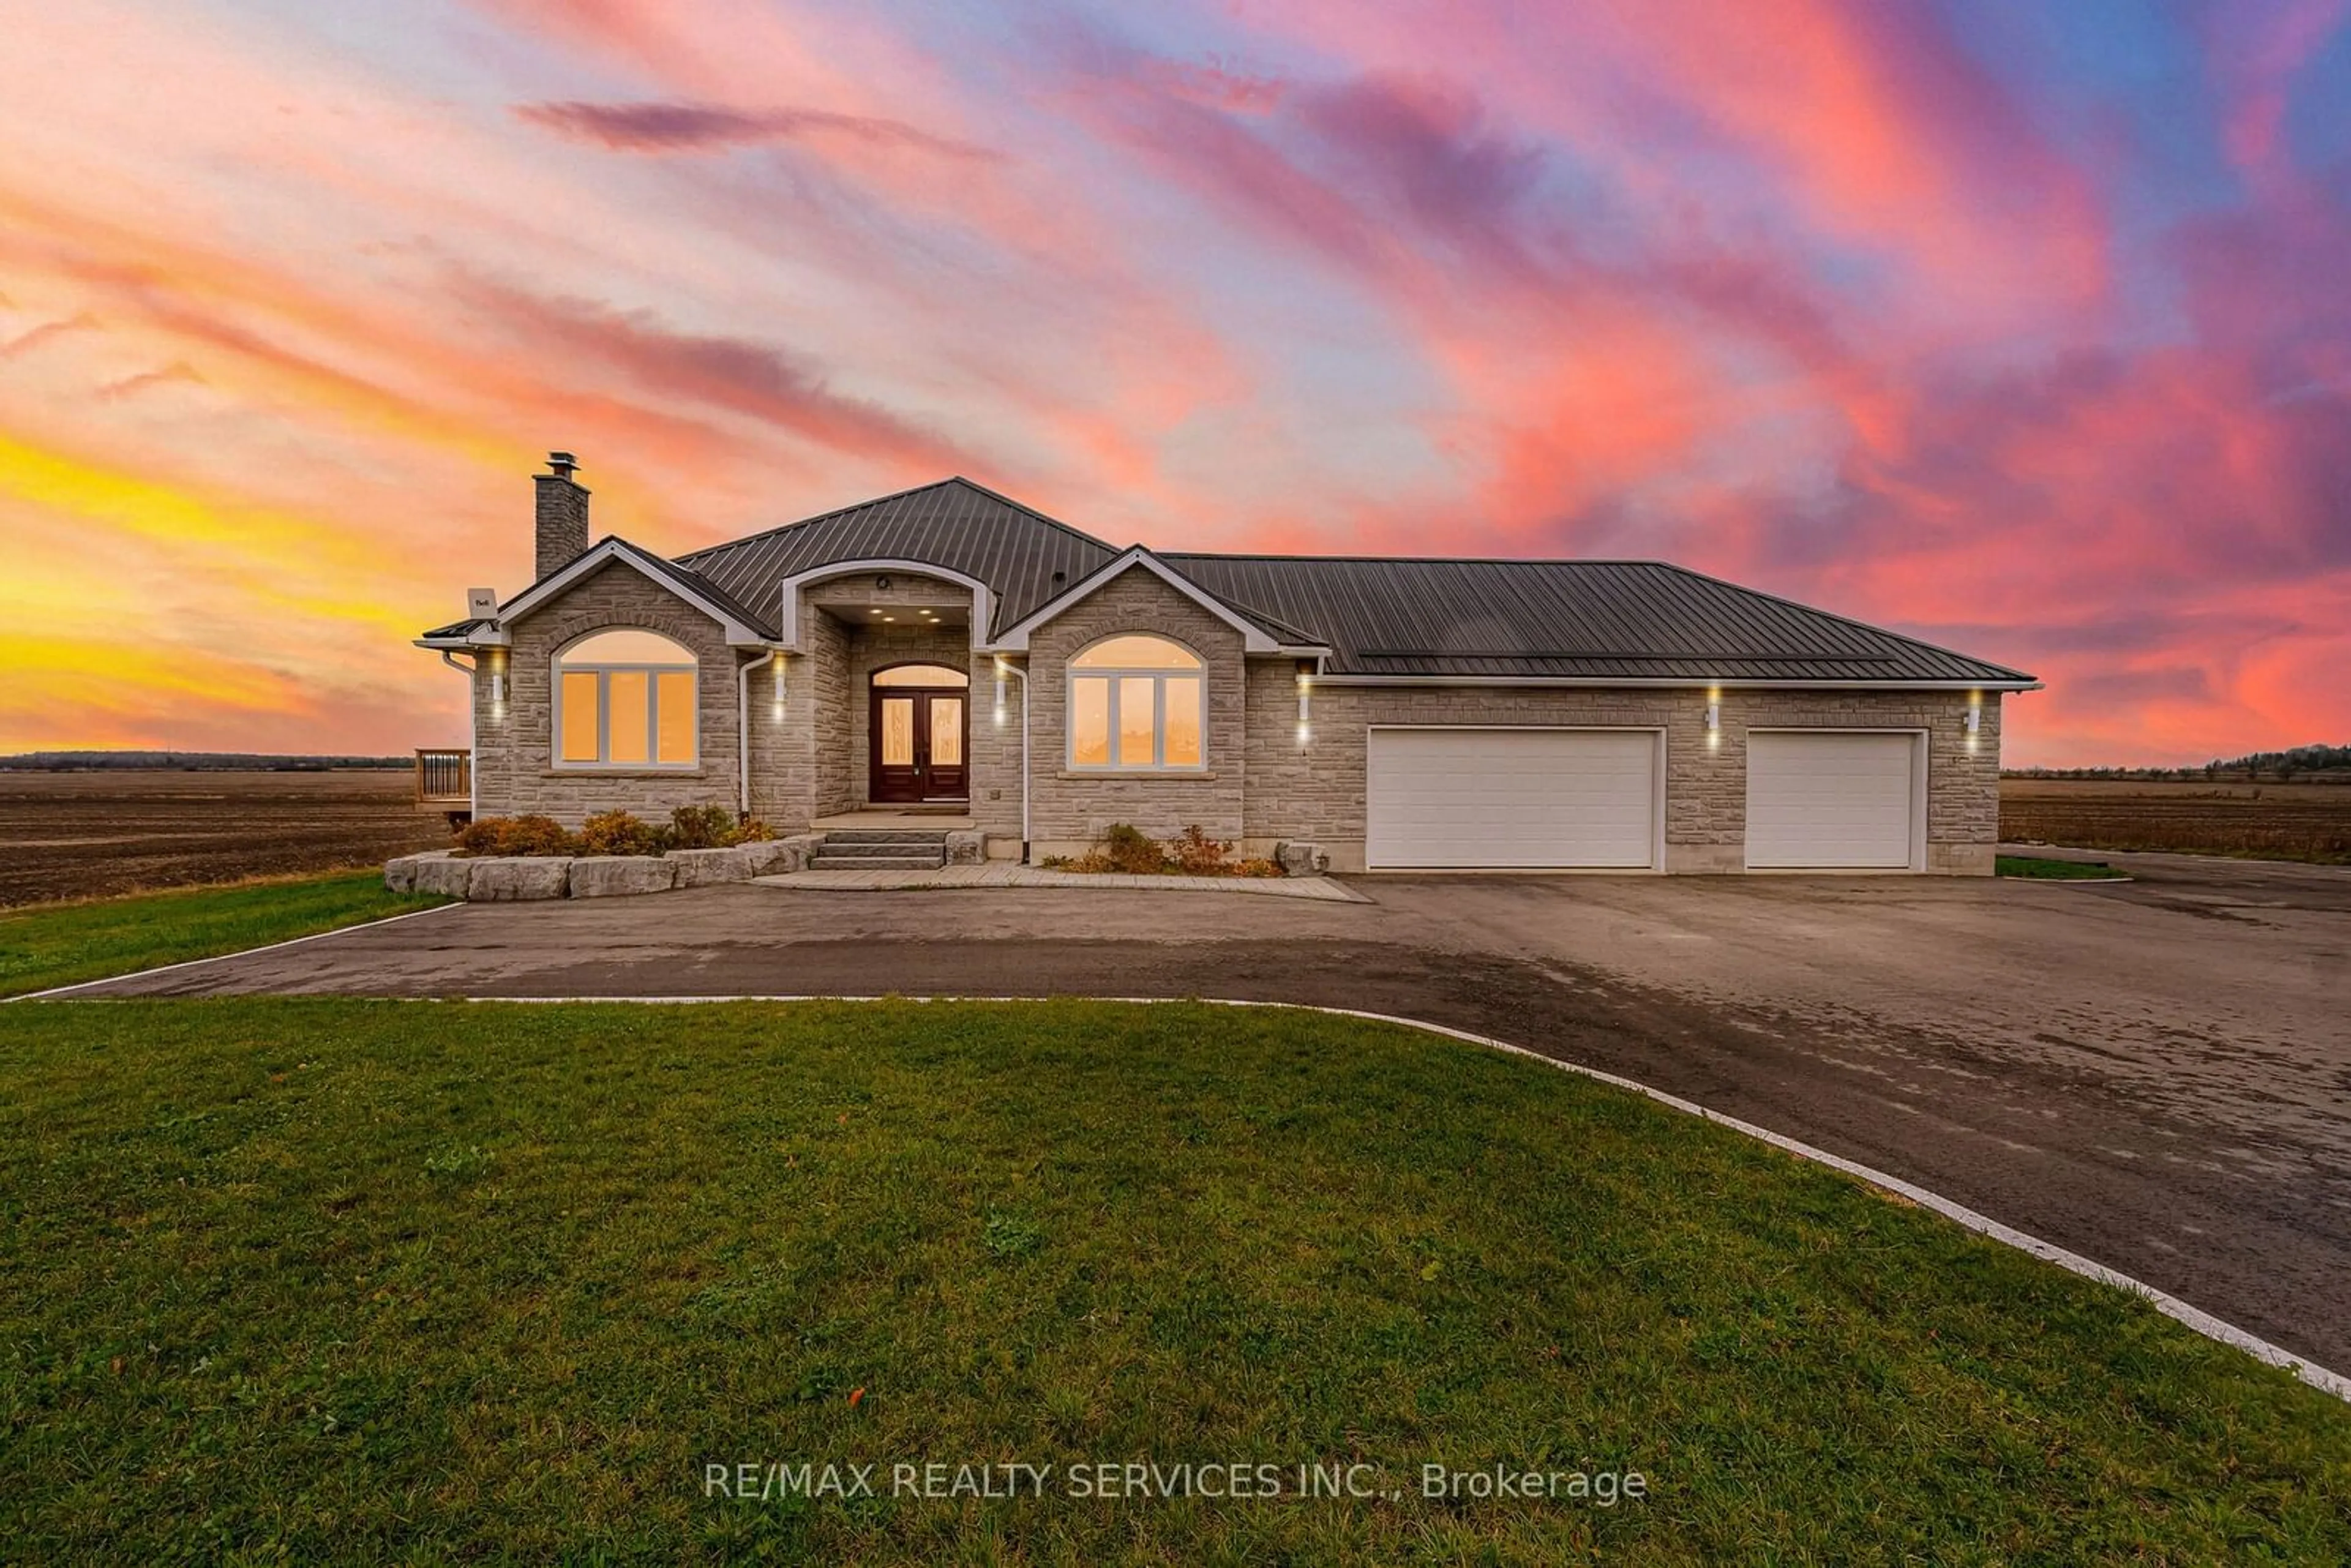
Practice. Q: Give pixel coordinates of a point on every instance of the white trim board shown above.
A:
(983, 601)
(1255, 639)
(653, 568)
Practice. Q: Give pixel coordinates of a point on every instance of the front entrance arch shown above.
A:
(918, 736)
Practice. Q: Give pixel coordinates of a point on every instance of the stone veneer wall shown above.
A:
(846, 644)
(810, 762)
(1071, 809)
(515, 770)
(1316, 792)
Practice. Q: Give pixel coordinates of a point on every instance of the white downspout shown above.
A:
(1004, 667)
(473, 733)
(742, 731)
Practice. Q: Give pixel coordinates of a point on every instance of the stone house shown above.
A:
(948, 655)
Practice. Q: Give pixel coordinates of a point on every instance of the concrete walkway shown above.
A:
(1005, 874)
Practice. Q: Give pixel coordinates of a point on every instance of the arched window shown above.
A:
(1137, 705)
(625, 699)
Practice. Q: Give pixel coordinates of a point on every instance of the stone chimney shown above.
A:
(562, 513)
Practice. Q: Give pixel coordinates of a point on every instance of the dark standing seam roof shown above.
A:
(1590, 620)
(954, 523)
(1565, 619)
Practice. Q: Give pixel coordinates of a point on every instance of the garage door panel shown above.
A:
(1835, 799)
(1491, 798)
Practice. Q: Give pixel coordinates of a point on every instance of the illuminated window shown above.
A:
(625, 699)
(1137, 705)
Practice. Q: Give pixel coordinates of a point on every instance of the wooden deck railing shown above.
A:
(445, 776)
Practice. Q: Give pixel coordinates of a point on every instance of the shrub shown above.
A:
(1256, 865)
(701, 827)
(621, 833)
(1127, 848)
(1196, 854)
(750, 831)
(532, 835)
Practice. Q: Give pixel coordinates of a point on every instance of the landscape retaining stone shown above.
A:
(966, 848)
(443, 875)
(768, 856)
(616, 876)
(507, 880)
(399, 872)
(700, 868)
(1302, 860)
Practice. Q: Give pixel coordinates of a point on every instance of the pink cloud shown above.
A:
(697, 127)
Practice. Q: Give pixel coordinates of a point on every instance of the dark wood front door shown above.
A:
(918, 743)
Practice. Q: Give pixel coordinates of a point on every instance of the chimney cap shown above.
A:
(563, 462)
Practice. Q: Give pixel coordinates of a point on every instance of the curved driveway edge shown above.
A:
(2170, 1306)
(2149, 1073)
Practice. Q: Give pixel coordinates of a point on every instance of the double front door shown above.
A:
(917, 739)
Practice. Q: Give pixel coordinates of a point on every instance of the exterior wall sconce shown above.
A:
(1713, 721)
(497, 683)
(779, 689)
(1305, 702)
(999, 694)
(1973, 722)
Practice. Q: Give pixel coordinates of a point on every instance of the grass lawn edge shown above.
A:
(48, 950)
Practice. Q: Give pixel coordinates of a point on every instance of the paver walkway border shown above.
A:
(1007, 874)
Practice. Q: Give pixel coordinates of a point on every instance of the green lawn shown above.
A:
(59, 943)
(2042, 869)
(373, 1282)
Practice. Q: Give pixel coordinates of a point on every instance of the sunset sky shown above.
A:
(2025, 328)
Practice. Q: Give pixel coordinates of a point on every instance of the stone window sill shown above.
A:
(1178, 775)
(624, 773)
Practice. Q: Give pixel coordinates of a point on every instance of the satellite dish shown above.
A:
(482, 603)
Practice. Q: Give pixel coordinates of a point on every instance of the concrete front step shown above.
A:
(881, 849)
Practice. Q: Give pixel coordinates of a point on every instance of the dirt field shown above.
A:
(70, 835)
(2268, 822)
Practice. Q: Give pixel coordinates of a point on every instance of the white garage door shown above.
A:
(1830, 799)
(1501, 798)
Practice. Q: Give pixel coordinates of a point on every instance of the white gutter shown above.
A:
(1005, 667)
(473, 733)
(742, 731)
(1676, 683)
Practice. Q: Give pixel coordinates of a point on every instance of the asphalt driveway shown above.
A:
(2155, 1074)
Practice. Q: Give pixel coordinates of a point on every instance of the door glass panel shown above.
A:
(1135, 652)
(897, 732)
(1090, 723)
(673, 713)
(580, 716)
(921, 676)
(946, 732)
(1134, 719)
(630, 692)
(1183, 723)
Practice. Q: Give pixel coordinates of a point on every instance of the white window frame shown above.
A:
(1117, 676)
(603, 673)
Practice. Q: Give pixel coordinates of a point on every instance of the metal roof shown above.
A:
(1592, 619)
(1380, 616)
(1016, 551)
